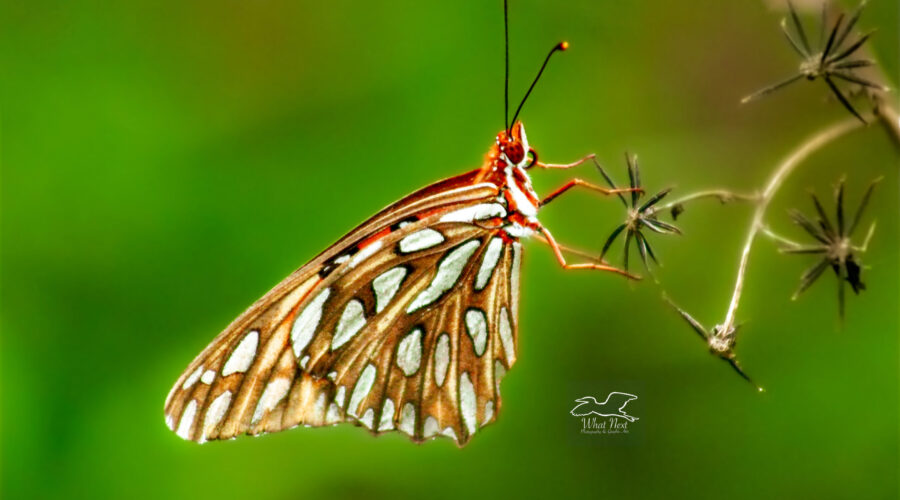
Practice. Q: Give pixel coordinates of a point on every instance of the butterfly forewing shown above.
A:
(403, 324)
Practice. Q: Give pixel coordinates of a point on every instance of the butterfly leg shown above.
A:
(558, 251)
(583, 183)
(591, 156)
(568, 250)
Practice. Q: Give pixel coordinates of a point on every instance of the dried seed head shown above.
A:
(834, 244)
(637, 216)
(830, 62)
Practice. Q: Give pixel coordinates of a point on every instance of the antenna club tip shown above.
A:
(563, 45)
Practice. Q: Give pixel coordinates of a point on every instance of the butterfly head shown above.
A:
(513, 148)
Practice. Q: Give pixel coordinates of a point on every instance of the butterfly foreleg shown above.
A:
(583, 183)
(591, 156)
(600, 266)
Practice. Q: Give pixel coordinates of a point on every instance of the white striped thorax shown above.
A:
(521, 199)
(517, 189)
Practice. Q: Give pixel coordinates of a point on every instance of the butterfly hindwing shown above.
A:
(427, 366)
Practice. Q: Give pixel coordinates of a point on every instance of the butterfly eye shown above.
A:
(515, 152)
(534, 158)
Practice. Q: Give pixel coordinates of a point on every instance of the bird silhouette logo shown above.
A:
(614, 406)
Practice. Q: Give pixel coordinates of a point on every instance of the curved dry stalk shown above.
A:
(787, 166)
(888, 117)
(723, 195)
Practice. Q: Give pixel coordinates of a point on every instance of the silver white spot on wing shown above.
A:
(409, 352)
(450, 433)
(351, 322)
(441, 359)
(192, 379)
(320, 403)
(420, 240)
(274, 392)
(488, 413)
(215, 412)
(506, 337)
(431, 427)
(304, 361)
(476, 327)
(386, 285)
(339, 396)
(366, 252)
(387, 415)
(514, 277)
(473, 213)
(488, 263)
(208, 377)
(408, 419)
(242, 357)
(334, 414)
(449, 269)
(368, 418)
(362, 388)
(499, 372)
(307, 321)
(187, 420)
(467, 402)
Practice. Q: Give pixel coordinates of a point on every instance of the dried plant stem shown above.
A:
(810, 146)
(779, 238)
(888, 117)
(722, 195)
(884, 105)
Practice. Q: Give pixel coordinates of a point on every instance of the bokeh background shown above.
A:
(166, 163)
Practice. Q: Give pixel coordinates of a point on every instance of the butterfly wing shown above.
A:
(424, 356)
(270, 368)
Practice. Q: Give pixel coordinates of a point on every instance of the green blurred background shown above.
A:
(166, 163)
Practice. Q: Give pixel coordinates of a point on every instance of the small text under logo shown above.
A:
(608, 417)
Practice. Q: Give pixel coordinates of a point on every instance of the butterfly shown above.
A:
(408, 323)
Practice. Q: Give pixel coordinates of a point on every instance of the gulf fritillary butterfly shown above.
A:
(406, 323)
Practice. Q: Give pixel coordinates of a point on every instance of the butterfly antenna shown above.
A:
(558, 47)
(506, 75)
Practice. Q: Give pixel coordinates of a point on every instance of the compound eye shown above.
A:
(515, 152)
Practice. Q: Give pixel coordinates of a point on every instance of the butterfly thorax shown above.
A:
(505, 166)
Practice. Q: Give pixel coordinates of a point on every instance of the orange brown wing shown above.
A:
(256, 377)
